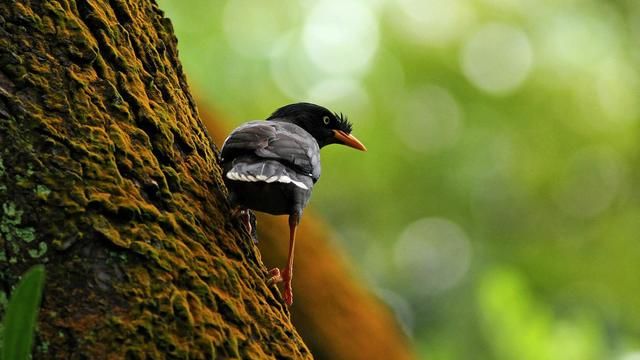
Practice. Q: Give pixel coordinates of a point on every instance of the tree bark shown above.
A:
(107, 176)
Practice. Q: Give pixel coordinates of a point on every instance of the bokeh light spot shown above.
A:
(251, 27)
(513, 6)
(591, 182)
(433, 255)
(497, 58)
(291, 68)
(631, 356)
(433, 22)
(576, 39)
(430, 119)
(341, 37)
(339, 90)
(617, 89)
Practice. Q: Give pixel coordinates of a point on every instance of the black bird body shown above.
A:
(271, 166)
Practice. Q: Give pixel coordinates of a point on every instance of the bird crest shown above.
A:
(343, 123)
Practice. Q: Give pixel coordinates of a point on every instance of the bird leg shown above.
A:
(239, 212)
(245, 218)
(286, 275)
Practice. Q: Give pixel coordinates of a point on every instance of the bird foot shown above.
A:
(248, 220)
(276, 276)
(288, 294)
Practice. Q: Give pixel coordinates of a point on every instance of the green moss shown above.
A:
(42, 192)
(44, 347)
(181, 309)
(30, 170)
(23, 182)
(151, 253)
(173, 179)
(27, 15)
(213, 351)
(18, 72)
(232, 346)
(2, 169)
(104, 227)
(9, 210)
(15, 246)
(11, 217)
(36, 253)
(27, 234)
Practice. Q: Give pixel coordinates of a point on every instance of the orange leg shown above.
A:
(287, 274)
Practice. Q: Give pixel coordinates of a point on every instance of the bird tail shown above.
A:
(250, 169)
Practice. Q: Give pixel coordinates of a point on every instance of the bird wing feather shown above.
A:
(284, 142)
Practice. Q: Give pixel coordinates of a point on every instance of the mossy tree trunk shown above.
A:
(108, 177)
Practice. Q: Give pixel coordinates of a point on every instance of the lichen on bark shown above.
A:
(108, 177)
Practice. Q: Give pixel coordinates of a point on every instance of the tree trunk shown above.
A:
(108, 177)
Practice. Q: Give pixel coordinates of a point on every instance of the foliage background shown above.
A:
(496, 211)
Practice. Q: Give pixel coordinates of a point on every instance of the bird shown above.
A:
(272, 165)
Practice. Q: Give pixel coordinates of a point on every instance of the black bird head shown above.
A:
(326, 127)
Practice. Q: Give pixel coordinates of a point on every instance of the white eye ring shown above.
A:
(326, 120)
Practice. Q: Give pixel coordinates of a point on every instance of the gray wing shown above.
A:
(284, 142)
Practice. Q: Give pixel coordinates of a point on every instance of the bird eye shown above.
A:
(326, 120)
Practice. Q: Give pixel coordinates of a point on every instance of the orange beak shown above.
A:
(349, 140)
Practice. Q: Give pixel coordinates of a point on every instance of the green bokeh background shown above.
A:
(496, 210)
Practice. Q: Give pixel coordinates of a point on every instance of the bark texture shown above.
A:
(107, 177)
(336, 316)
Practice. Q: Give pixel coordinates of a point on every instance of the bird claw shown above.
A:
(274, 276)
(248, 220)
